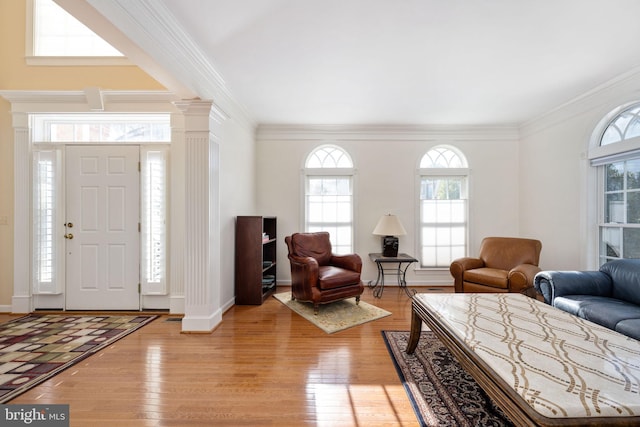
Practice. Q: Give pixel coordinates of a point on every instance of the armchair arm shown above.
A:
(304, 276)
(553, 284)
(458, 266)
(351, 262)
(521, 277)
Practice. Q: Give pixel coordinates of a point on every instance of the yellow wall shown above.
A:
(16, 75)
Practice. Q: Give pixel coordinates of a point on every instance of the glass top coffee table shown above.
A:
(541, 365)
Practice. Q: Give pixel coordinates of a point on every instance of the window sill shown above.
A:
(75, 61)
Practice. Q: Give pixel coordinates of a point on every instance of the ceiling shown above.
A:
(472, 62)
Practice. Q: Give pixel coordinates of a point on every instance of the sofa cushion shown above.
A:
(488, 276)
(625, 274)
(604, 311)
(574, 304)
(629, 327)
(330, 277)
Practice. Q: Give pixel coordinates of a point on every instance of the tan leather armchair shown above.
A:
(505, 264)
(319, 276)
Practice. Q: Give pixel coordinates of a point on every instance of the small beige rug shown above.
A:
(335, 316)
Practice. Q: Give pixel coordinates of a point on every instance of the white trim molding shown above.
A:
(24, 103)
(265, 133)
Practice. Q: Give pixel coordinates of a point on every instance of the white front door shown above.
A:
(102, 235)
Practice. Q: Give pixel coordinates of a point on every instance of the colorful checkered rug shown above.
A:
(34, 348)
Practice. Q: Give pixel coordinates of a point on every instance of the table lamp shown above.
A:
(389, 227)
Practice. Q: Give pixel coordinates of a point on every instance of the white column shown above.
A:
(176, 212)
(21, 300)
(201, 216)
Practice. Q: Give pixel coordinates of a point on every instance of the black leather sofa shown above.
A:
(609, 297)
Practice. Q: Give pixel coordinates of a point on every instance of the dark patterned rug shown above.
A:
(442, 393)
(35, 347)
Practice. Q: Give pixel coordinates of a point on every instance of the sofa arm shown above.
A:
(521, 277)
(351, 262)
(553, 284)
(459, 266)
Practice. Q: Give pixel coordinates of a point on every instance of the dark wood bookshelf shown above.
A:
(255, 258)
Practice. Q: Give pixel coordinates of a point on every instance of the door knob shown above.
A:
(68, 224)
(68, 236)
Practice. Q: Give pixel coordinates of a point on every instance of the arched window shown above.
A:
(618, 160)
(328, 206)
(625, 126)
(443, 176)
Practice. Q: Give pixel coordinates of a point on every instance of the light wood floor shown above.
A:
(264, 365)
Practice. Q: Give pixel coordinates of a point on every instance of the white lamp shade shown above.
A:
(389, 225)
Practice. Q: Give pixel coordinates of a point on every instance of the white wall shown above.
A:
(557, 185)
(533, 181)
(237, 196)
(386, 159)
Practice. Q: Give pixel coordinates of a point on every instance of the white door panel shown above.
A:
(103, 202)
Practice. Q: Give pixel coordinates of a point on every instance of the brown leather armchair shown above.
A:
(319, 276)
(505, 264)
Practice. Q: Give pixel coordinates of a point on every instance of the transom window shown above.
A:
(618, 160)
(443, 207)
(441, 157)
(328, 197)
(101, 128)
(625, 126)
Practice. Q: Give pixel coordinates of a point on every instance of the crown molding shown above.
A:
(266, 133)
(624, 88)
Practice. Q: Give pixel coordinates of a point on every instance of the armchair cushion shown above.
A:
(314, 245)
(331, 277)
(488, 276)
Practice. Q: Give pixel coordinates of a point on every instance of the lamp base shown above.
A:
(390, 246)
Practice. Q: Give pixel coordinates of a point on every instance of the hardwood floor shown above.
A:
(264, 365)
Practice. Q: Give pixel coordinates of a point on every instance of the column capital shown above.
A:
(195, 107)
(200, 115)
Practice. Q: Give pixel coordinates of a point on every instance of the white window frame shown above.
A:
(48, 241)
(41, 60)
(330, 171)
(154, 192)
(600, 155)
(442, 172)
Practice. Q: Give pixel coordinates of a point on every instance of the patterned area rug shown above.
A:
(336, 316)
(34, 348)
(441, 391)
